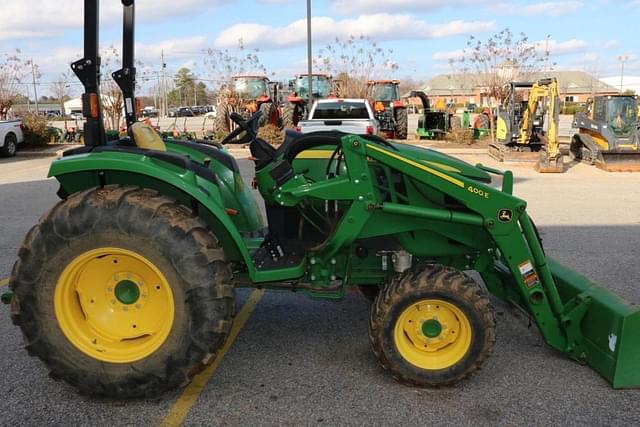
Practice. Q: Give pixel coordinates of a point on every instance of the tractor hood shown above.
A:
(443, 162)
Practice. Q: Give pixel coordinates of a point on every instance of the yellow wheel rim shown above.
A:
(433, 334)
(114, 305)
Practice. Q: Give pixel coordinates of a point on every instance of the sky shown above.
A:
(587, 35)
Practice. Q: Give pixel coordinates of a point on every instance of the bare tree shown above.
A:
(12, 71)
(500, 59)
(353, 62)
(61, 90)
(227, 63)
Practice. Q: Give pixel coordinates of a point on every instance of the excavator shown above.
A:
(608, 134)
(523, 134)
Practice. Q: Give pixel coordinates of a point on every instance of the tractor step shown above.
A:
(276, 256)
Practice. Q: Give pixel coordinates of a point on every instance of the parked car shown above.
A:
(184, 112)
(10, 136)
(344, 114)
(149, 112)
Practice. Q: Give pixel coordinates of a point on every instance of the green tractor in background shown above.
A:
(297, 108)
(125, 288)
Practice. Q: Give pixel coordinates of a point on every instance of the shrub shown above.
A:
(35, 129)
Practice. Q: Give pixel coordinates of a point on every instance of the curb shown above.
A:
(47, 152)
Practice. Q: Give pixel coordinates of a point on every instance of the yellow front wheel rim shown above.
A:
(114, 305)
(433, 334)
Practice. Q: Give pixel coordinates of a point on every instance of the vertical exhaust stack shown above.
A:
(87, 70)
(126, 76)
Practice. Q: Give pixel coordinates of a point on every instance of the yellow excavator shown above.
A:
(524, 133)
(608, 134)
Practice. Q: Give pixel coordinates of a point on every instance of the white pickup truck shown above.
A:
(10, 136)
(346, 115)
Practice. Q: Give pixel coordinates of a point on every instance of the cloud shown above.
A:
(275, 1)
(38, 19)
(451, 54)
(549, 8)
(380, 27)
(557, 48)
(373, 6)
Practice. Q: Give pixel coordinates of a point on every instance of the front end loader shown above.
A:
(125, 288)
(609, 134)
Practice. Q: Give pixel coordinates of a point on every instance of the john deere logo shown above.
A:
(505, 215)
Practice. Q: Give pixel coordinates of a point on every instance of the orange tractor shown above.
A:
(246, 95)
(388, 108)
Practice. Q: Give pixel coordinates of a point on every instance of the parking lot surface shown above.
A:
(299, 361)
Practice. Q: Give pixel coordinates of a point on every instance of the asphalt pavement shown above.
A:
(299, 361)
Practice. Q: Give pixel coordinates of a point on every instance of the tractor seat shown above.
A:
(146, 137)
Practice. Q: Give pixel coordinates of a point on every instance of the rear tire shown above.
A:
(455, 124)
(133, 226)
(402, 123)
(289, 119)
(265, 119)
(221, 122)
(434, 326)
(10, 146)
(482, 122)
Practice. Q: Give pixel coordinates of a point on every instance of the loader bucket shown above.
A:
(609, 331)
(628, 161)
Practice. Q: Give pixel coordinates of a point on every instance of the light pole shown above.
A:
(622, 59)
(546, 53)
(309, 55)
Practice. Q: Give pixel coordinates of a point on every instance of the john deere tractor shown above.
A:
(245, 95)
(609, 134)
(388, 107)
(125, 288)
(297, 109)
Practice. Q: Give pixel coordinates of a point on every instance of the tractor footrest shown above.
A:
(284, 255)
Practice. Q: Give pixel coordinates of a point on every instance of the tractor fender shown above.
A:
(81, 172)
(398, 104)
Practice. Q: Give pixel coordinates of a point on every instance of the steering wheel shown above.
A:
(248, 127)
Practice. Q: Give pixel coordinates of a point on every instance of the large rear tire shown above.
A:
(289, 116)
(221, 123)
(434, 326)
(402, 123)
(265, 119)
(122, 292)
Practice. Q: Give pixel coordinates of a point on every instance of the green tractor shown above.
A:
(125, 288)
(297, 109)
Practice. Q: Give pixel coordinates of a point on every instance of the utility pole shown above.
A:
(35, 85)
(309, 55)
(163, 85)
(622, 59)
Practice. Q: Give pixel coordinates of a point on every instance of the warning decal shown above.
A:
(528, 274)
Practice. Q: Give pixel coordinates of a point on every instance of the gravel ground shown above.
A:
(305, 362)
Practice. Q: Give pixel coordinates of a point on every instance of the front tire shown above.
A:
(433, 327)
(122, 293)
